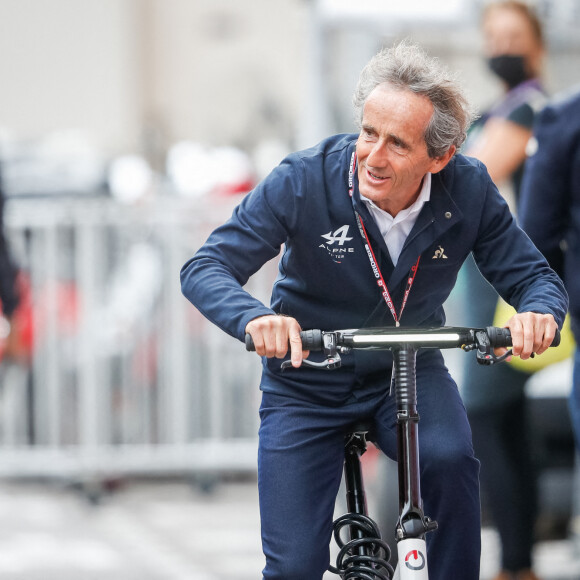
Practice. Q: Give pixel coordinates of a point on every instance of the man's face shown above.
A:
(391, 150)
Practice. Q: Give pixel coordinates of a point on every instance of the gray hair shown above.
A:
(406, 66)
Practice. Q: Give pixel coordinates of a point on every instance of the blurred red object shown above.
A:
(26, 323)
(18, 341)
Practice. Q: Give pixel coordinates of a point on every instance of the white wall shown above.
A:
(212, 70)
(226, 71)
(70, 64)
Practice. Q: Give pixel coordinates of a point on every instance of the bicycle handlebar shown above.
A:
(388, 338)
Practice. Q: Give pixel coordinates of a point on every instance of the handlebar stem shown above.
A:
(412, 521)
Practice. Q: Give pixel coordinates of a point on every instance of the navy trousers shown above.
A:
(300, 461)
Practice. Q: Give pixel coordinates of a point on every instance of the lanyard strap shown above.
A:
(373, 261)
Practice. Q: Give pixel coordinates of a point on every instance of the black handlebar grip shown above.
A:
(311, 340)
(499, 337)
(502, 337)
(250, 343)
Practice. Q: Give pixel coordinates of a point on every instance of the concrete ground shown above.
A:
(165, 531)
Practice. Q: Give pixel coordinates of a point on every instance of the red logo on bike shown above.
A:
(415, 560)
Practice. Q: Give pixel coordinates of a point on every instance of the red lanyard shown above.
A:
(371, 255)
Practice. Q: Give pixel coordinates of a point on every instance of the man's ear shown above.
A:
(440, 162)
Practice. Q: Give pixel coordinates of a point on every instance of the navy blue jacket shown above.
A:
(550, 195)
(325, 278)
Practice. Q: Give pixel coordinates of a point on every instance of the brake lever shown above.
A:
(485, 354)
(328, 364)
(490, 358)
(332, 361)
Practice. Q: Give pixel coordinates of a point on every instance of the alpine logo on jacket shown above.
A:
(336, 243)
(340, 236)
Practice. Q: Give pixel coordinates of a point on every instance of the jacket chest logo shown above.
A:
(340, 235)
(335, 243)
(439, 254)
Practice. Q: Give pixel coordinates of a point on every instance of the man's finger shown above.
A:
(296, 348)
(516, 332)
(549, 328)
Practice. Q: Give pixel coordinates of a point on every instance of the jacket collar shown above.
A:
(383, 258)
(437, 216)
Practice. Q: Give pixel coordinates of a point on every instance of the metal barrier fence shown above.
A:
(125, 376)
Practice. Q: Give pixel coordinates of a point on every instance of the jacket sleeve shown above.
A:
(513, 265)
(545, 189)
(213, 279)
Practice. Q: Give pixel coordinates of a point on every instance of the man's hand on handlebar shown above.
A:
(531, 333)
(272, 334)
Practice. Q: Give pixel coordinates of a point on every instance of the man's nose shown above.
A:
(378, 156)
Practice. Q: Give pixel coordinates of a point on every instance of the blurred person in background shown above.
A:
(550, 208)
(495, 397)
(514, 49)
(8, 291)
(400, 188)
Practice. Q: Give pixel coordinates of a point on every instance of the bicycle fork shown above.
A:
(412, 524)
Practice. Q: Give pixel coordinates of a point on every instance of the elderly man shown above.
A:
(400, 188)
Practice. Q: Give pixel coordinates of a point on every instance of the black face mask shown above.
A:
(510, 68)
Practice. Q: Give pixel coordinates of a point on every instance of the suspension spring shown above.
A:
(364, 558)
(404, 361)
